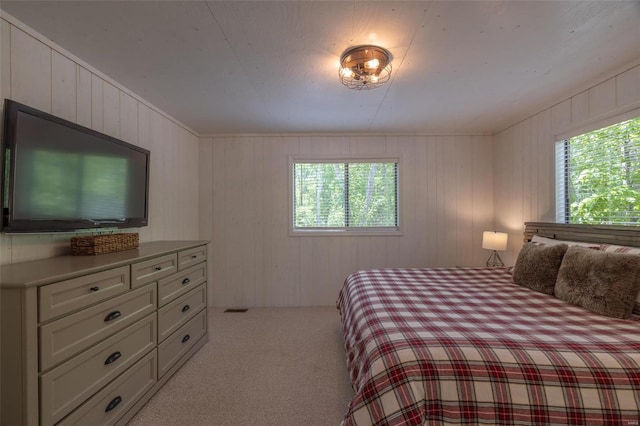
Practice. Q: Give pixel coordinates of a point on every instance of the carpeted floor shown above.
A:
(268, 366)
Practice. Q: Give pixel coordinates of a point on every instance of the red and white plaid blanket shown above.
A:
(438, 346)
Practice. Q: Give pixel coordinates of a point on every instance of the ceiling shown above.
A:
(239, 67)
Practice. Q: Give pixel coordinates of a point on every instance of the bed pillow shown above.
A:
(612, 248)
(537, 266)
(605, 283)
(544, 241)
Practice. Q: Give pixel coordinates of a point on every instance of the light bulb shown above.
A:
(372, 64)
(346, 72)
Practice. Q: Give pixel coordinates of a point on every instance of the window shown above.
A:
(345, 195)
(598, 176)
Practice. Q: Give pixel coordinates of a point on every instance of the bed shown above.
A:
(468, 345)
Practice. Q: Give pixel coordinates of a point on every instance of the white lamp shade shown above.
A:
(494, 240)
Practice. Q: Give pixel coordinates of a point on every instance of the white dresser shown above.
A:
(88, 340)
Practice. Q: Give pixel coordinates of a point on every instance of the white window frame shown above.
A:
(560, 191)
(332, 232)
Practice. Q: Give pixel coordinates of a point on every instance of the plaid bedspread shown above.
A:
(438, 346)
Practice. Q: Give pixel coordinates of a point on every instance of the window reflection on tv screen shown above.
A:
(61, 173)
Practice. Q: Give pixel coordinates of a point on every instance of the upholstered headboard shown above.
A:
(607, 234)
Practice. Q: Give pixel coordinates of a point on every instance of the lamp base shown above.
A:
(494, 260)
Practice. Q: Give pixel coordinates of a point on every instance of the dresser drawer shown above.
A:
(67, 296)
(173, 315)
(63, 338)
(179, 342)
(180, 283)
(154, 269)
(108, 405)
(70, 384)
(187, 258)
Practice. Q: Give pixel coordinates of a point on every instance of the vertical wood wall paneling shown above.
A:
(628, 87)
(183, 185)
(525, 152)
(155, 175)
(111, 109)
(546, 177)
(534, 156)
(168, 223)
(5, 59)
(437, 234)
(189, 174)
(431, 202)
(83, 101)
(144, 141)
(602, 98)
(217, 232)
(5, 92)
(128, 119)
(482, 187)
(39, 75)
(464, 207)
(248, 207)
(255, 262)
(561, 115)
(516, 175)
(63, 87)
(30, 71)
(580, 107)
(525, 177)
(234, 228)
(450, 219)
(205, 194)
(257, 213)
(97, 105)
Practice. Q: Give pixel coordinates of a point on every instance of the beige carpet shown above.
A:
(268, 366)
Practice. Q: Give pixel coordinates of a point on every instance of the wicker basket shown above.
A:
(101, 244)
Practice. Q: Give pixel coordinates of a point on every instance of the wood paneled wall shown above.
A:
(446, 201)
(525, 152)
(38, 73)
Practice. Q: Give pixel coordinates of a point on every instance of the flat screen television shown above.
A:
(58, 176)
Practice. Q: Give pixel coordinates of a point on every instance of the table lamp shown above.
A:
(492, 240)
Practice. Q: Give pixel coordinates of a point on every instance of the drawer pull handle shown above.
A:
(186, 281)
(94, 289)
(185, 338)
(113, 358)
(185, 308)
(158, 268)
(113, 315)
(195, 256)
(113, 404)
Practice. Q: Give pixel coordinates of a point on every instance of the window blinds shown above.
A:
(345, 195)
(598, 176)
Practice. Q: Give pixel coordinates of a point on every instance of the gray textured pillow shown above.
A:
(537, 266)
(605, 283)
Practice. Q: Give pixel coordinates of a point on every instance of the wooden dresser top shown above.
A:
(47, 271)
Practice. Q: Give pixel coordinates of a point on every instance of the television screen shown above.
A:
(60, 176)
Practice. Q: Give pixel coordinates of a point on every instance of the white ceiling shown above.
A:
(271, 66)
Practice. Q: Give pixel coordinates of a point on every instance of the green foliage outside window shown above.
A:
(319, 195)
(345, 195)
(603, 175)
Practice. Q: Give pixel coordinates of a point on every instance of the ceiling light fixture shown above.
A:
(365, 67)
